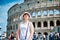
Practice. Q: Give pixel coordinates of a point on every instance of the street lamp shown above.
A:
(0, 32)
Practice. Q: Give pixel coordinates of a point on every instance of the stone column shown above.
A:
(54, 23)
(36, 14)
(41, 24)
(15, 26)
(42, 13)
(48, 24)
(54, 12)
(35, 24)
(12, 26)
(48, 13)
(36, 20)
(19, 18)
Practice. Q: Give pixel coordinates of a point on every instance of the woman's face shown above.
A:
(26, 17)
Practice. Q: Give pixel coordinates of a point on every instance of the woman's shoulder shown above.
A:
(19, 23)
(30, 22)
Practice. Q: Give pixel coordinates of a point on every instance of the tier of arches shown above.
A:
(45, 23)
(50, 12)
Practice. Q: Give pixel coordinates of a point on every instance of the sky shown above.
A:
(4, 7)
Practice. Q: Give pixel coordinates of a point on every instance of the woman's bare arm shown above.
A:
(18, 32)
(31, 31)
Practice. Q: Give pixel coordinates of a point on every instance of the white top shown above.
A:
(24, 29)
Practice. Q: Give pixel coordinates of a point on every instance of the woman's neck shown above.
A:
(25, 21)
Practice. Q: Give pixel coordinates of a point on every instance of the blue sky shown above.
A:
(4, 6)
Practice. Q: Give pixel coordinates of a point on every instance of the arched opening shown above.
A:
(38, 2)
(51, 23)
(10, 28)
(45, 13)
(33, 14)
(50, 0)
(39, 24)
(45, 24)
(45, 33)
(39, 33)
(39, 13)
(51, 12)
(16, 26)
(34, 24)
(57, 22)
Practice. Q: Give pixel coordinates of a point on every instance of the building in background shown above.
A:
(4, 35)
(45, 15)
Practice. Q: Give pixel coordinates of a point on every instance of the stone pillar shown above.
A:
(36, 14)
(12, 26)
(35, 24)
(15, 26)
(54, 23)
(48, 24)
(48, 13)
(41, 24)
(54, 12)
(19, 17)
(41, 13)
(36, 20)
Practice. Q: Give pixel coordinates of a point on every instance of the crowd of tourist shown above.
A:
(51, 36)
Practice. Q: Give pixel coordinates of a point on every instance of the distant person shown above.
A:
(56, 36)
(35, 36)
(44, 37)
(40, 36)
(51, 36)
(11, 37)
(25, 28)
(59, 37)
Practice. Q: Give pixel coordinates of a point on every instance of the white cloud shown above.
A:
(0, 6)
(6, 7)
(1, 20)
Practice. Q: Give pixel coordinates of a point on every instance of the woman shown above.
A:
(51, 36)
(11, 37)
(59, 37)
(25, 28)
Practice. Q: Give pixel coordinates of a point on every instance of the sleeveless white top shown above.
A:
(24, 29)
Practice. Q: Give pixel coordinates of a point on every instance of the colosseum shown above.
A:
(45, 15)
